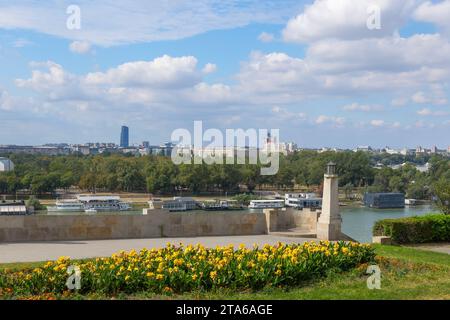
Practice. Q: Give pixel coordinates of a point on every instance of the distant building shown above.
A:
(124, 138)
(45, 150)
(363, 149)
(146, 144)
(384, 200)
(6, 165)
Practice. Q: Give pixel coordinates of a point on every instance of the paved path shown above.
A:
(436, 247)
(51, 250)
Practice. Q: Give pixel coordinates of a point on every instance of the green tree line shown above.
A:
(157, 174)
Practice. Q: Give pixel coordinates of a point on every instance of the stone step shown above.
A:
(294, 234)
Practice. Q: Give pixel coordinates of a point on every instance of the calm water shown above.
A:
(358, 221)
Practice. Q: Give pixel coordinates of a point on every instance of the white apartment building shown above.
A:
(6, 165)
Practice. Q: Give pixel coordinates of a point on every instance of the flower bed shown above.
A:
(181, 269)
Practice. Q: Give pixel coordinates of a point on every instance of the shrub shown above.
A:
(33, 202)
(429, 228)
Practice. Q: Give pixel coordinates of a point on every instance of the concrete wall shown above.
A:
(156, 223)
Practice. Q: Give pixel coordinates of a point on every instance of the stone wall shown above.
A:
(152, 224)
(289, 218)
(156, 223)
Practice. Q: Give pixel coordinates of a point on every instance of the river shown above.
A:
(357, 222)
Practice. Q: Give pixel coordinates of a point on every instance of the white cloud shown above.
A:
(399, 102)
(162, 72)
(266, 37)
(20, 43)
(346, 19)
(322, 119)
(429, 112)
(5, 100)
(110, 22)
(437, 13)
(436, 96)
(286, 115)
(391, 65)
(377, 123)
(48, 80)
(391, 54)
(168, 81)
(80, 47)
(419, 97)
(362, 107)
(209, 68)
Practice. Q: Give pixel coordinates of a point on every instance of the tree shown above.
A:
(348, 189)
(442, 192)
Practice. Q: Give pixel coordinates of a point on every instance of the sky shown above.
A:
(327, 73)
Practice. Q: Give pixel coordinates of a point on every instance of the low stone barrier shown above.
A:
(152, 224)
(155, 224)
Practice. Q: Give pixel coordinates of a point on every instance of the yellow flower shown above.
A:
(194, 277)
(213, 274)
(178, 262)
(150, 274)
(127, 277)
(278, 272)
(159, 276)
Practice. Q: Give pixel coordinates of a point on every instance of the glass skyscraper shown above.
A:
(124, 140)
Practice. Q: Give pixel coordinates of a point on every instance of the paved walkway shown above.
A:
(51, 250)
(436, 247)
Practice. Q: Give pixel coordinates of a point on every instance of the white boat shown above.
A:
(103, 203)
(180, 204)
(302, 200)
(266, 204)
(70, 205)
(410, 202)
(90, 211)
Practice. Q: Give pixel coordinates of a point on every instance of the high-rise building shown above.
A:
(124, 139)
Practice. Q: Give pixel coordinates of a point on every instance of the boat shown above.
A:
(103, 203)
(410, 202)
(13, 208)
(220, 205)
(266, 204)
(90, 211)
(180, 204)
(302, 200)
(69, 205)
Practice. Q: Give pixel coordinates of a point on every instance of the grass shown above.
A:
(407, 273)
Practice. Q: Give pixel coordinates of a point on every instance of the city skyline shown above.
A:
(293, 65)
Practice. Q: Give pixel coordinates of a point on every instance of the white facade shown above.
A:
(6, 165)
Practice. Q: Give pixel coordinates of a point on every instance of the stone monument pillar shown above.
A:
(329, 223)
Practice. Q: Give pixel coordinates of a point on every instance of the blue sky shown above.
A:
(312, 69)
